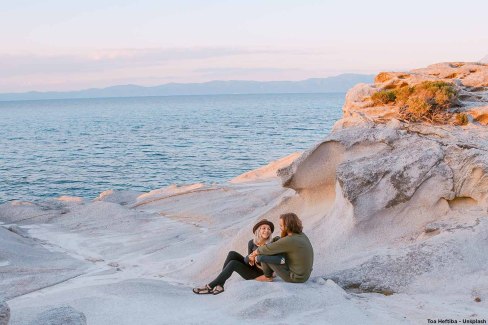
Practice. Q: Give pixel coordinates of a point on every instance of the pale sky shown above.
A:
(63, 45)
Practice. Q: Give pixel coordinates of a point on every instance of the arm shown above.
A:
(277, 247)
(250, 258)
(256, 252)
(250, 245)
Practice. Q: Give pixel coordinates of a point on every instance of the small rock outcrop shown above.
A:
(19, 231)
(4, 313)
(453, 93)
(64, 315)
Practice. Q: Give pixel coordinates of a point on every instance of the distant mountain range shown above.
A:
(340, 83)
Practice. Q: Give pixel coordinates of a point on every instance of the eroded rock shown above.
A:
(64, 315)
(4, 313)
(387, 183)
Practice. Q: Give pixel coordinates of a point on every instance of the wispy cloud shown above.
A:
(153, 66)
(103, 60)
(243, 72)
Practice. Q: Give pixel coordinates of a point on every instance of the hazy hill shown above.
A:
(340, 83)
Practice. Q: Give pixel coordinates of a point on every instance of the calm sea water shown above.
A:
(81, 147)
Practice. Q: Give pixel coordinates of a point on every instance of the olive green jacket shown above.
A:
(298, 253)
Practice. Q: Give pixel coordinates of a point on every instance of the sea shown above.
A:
(81, 147)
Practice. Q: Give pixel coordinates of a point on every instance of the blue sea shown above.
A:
(81, 147)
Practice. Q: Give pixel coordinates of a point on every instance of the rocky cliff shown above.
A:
(394, 200)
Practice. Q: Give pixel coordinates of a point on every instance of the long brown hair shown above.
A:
(292, 224)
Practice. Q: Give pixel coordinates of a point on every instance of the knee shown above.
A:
(233, 264)
(264, 265)
(232, 255)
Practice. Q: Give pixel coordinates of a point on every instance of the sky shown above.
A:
(55, 45)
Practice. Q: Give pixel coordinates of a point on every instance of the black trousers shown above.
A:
(235, 263)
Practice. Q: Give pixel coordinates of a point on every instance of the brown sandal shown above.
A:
(203, 291)
(217, 289)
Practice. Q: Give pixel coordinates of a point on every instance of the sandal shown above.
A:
(203, 291)
(217, 289)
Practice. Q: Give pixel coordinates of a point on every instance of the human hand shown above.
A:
(252, 260)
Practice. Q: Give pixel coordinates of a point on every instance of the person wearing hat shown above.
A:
(294, 245)
(235, 262)
(252, 246)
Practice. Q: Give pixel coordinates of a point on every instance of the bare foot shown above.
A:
(263, 278)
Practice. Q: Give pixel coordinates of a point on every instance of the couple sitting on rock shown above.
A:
(290, 257)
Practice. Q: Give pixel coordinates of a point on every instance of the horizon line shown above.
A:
(155, 96)
(175, 83)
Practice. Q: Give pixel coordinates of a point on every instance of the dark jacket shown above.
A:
(298, 254)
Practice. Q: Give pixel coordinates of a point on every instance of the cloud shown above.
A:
(152, 66)
(237, 71)
(105, 60)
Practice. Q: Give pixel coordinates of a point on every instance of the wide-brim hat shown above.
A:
(263, 222)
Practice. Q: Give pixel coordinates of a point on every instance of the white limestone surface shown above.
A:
(397, 213)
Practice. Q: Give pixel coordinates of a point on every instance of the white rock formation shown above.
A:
(387, 182)
(396, 211)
